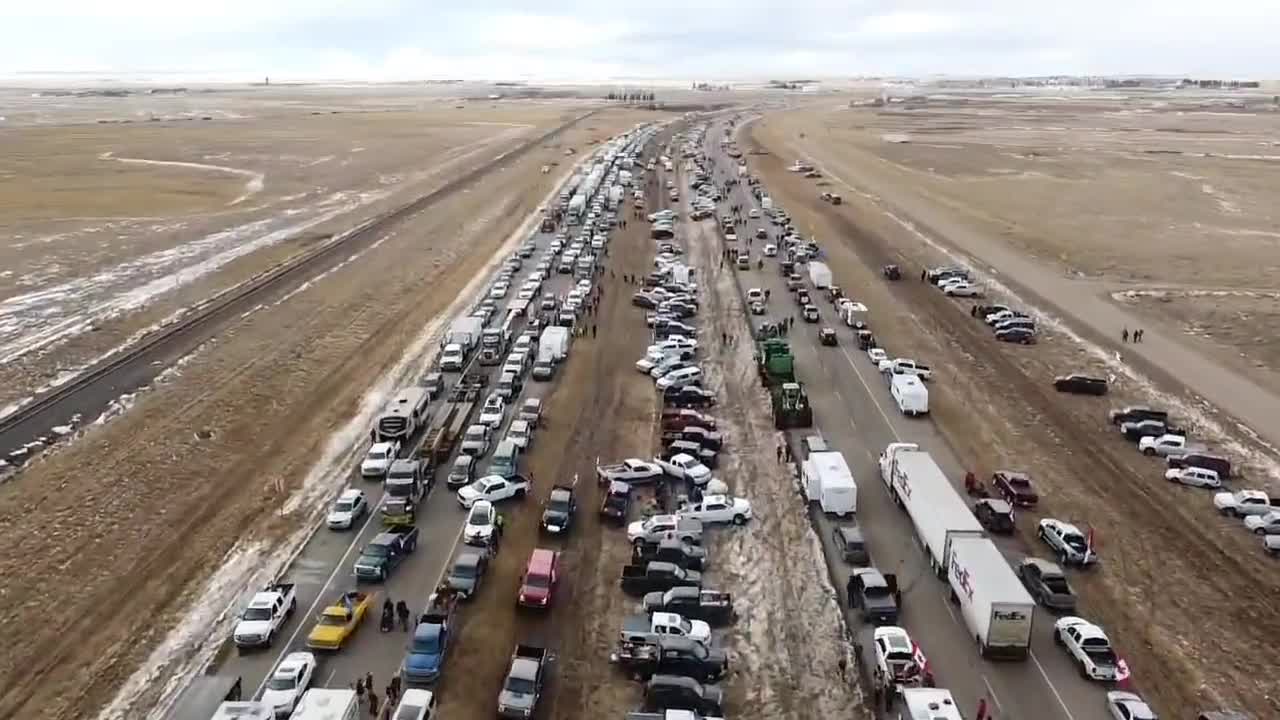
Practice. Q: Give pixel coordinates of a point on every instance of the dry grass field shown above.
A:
(114, 227)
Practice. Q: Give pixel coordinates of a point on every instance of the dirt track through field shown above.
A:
(1172, 574)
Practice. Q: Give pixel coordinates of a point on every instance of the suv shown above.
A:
(462, 472)
(851, 545)
(1078, 384)
(540, 577)
(675, 692)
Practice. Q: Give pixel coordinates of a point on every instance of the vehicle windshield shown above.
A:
(479, 516)
(344, 506)
(1076, 542)
(558, 503)
(282, 682)
(376, 551)
(876, 591)
(464, 570)
(1019, 484)
(408, 712)
(255, 613)
(399, 490)
(332, 620)
(401, 475)
(537, 580)
(1056, 585)
(378, 454)
(520, 686)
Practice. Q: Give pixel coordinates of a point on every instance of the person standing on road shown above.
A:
(779, 454)
(843, 665)
(1124, 335)
(982, 709)
(924, 274)
(402, 611)
(786, 448)
(373, 703)
(360, 692)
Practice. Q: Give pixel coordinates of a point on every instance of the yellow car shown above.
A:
(339, 620)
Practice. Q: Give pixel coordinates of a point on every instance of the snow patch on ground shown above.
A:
(79, 304)
(252, 187)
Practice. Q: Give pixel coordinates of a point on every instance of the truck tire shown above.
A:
(1148, 452)
(293, 607)
(739, 519)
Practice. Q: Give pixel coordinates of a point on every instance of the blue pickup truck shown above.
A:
(431, 638)
(385, 552)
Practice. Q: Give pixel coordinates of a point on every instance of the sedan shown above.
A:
(350, 506)
(1268, 524)
(481, 523)
(1020, 335)
(1129, 706)
(963, 289)
(1194, 476)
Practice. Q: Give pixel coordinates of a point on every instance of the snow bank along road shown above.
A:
(90, 393)
(323, 569)
(854, 412)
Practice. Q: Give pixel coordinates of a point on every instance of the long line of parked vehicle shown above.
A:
(996, 600)
(530, 339)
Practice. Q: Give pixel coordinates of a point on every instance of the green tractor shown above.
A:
(775, 362)
(791, 408)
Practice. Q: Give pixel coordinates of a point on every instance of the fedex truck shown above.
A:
(997, 609)
(937, 511)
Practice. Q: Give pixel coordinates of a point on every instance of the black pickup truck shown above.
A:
(710, 606)
(875, 594)
(385, 552)
(676, 552)
(672, 655)
(642, 578)
(709, 439)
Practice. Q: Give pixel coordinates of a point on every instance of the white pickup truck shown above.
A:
(1167, 444)
(266, 613)
(906, 366)
(1088, 645)
(685, 467)
(717, 509)
(631, 470)
(642, 628)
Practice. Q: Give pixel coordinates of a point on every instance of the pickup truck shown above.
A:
(717, 509)
(672, 655)
(674, 692)
(875, 594)
(644, 628)
(710, 458)
(632, 470)
(639, 579)
(708, 439)
(659, 527)
(670, 715)
(678, 419)
(906, 366)
(616, 502)
(385, 552)
(1244, 503)
(561, 506)
(1089, 647)
(266, 613)
(676, 552)
(1069, 544)
(685, 467)
(710, 606)
(522, 688)
(1167, 444)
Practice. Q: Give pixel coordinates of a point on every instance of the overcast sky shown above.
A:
(581, 40)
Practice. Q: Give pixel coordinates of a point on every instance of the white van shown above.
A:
(680, 378)
(910, 394)
(327, 704)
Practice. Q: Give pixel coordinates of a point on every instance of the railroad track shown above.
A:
(138, 364)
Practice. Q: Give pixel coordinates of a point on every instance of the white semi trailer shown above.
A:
(997, 609)
(937, 511)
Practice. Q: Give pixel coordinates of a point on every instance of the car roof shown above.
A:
(467, 559)
(1045, 566)
(850, 532)
(541, 559)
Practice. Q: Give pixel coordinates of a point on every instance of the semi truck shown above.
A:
(996, 607)
(937, 511)
(828, 481)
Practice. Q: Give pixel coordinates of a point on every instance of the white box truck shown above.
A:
(464, 331)
(997, 609)
(829, 482)
(766, 203)
(910, 394)
(554, 344)
(929, 704)
(936, 509)
(820, 275)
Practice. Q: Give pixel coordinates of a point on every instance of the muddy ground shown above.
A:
(141, 509)
(1173, 574)
(112, 229)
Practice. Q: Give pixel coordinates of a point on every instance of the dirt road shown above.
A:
(1173, 574)
(148, 505)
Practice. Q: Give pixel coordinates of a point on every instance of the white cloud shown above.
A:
(564, 39)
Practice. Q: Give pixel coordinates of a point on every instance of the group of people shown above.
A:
(368, 699)
(393, 610)
(1136, 334)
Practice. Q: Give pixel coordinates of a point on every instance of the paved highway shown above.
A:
(855, 413)
(323, 570)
